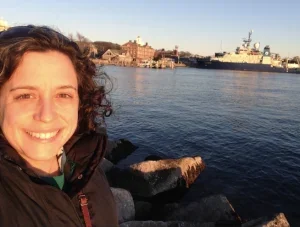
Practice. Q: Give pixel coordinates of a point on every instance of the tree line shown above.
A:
(85, 44)
(102, 46)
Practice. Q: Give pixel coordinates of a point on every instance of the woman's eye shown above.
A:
(64, 95)
(24, 96)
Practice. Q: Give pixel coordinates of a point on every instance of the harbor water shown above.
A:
(245, 126)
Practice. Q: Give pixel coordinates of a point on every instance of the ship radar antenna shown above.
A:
(248, 41)
(250, 34)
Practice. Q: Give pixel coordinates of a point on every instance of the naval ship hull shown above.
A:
(243, 67)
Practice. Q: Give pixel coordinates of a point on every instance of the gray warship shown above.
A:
(245, 58)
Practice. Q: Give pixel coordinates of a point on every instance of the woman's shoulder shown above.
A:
(11, 174)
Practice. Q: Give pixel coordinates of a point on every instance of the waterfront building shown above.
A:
(122, 57)
(3, 25)
(138, 50)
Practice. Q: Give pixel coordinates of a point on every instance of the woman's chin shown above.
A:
(42, 149)
(35, 154)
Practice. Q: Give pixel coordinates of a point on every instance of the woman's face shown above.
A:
(39, 105)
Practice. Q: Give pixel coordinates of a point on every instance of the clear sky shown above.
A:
(198, 26)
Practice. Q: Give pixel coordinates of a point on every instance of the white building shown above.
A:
(3, 25)
(139, 41)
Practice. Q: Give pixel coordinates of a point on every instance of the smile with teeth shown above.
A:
(47, 135)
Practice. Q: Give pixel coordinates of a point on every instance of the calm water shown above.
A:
(245, 125)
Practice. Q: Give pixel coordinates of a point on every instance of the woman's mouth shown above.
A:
(43, 135)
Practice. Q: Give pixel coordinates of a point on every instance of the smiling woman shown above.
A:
(46, 114)
(49, 147)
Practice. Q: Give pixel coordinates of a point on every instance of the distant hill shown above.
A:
(103, 46)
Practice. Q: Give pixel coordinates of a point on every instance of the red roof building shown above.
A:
(138, 51)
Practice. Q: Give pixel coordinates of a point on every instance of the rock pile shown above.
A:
(148, 193)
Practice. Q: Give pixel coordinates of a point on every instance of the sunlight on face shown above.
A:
(39, 105)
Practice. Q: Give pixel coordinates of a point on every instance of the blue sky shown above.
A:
(198, 26)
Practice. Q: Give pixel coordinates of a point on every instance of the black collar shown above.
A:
(84, 150)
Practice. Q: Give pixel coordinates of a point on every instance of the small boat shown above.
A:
(144, 64)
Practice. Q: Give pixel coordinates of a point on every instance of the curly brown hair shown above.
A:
(16, 41)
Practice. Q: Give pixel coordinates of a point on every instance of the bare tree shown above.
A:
(71, 37)
(83, 42)
(82, 38)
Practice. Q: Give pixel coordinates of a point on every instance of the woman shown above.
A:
(49, 150)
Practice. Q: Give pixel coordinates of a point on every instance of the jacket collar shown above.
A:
(85, 151)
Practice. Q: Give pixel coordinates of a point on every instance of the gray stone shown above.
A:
(167, 210)
(118, 150)
(277, 220)
(149, 178)
(125, 204)
(106, 165)
(165, 224)
(143, 210)
(209, 209)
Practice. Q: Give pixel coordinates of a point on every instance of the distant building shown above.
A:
(139, 41)
(3, 25)
(138, 50)
(117, 56)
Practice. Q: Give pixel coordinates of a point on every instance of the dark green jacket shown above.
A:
(26, 200)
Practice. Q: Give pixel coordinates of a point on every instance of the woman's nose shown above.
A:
(45, 110)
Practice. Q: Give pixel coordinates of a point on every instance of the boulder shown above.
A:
(214, 208)
(277, 220)
(106, 165)
(165, 210)
(143, 210)
(118, 150)
(165, 224)
(190, 167)
(174, 195)
(148, 178)
(125, 204)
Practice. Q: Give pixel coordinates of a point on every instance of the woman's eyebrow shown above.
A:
(67, 87)
(24, 87)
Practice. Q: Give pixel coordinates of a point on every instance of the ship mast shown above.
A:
(248, 41)
(221, 46)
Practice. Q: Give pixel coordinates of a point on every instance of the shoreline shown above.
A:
(133, 65)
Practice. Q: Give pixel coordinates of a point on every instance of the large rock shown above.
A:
(118, 150)
(143, 210)
(163, 211)
(190, 167)
(106, 165)
(278, 220)
(209, 209)
(125, 204)
(165, 224)
(149, 178)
